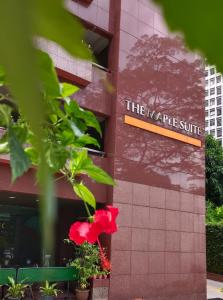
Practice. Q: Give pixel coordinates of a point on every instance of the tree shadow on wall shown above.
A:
(161, 74)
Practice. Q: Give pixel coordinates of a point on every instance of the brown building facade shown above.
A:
(159, 249)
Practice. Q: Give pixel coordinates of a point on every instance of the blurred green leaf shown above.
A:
(85, 194)
(19, 161)
(5, 115)
(49, 80)
(19, 59)
(2, 75)
(4, 147)
(55, 23)
(200, 23)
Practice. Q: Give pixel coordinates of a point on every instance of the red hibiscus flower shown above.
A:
(103, 222)
(105, 219)
(81, 232)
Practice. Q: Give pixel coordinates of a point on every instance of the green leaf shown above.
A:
(200, 23)
(75, 111)
(2, 75)
(82, 164)
(87, 140)
(97, 174)
(55, 23)
(19, 59)
(4, 148)
(56, 157)
(85, 194)
(32, 154)
(5, 115)
(68, 89)
(49, 80)
(19, 161)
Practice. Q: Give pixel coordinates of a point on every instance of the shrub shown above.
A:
(214, 233)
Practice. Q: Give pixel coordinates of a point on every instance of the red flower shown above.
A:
(105, 219)
(82, 232)
(105, 263)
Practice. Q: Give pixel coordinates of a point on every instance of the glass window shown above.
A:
(206, 113)
(212, 81)
(206, 123)
(206, 82)
(218, 111)
(219, 132)
(20, 236)
(218, 78)
(212, 122)
(212, 112)
(218, 90)
(206, 103)
(212, 101)
(212, 91)
(212, 132)
(206, 93)
(206, 73)
(219, 122)
(212, 71)
(218, 100)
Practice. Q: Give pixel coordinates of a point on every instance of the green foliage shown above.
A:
(22, 69)
(15, 290)
(214, 214)
(214, 235)
(214, 170)
(200, 23)
(19, 161)
(63, 133)
(85, 194)
(49, 290)
(87, 262)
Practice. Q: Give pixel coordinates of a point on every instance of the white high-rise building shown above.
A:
(213, 103)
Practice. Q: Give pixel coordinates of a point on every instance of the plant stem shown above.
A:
(87, 209)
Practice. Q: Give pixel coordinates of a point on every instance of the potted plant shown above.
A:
(49, 291)
(15, 290)
(87, 264)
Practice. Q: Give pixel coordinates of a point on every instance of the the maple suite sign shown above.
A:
(147, 114)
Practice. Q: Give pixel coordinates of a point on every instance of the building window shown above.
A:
(212, 81)
(212, 91)
(206, 73)
(219, 122)
(212, 71)
(218, 79)
(219, 111)
(212, 122)
(212, 101)
(206, 113)
(206, 123)
(219, 141)
(99, 45)
(212, 112)
(206, 93)
(206, 82)
(218, 100)
(212, 132)
(206, 103)
(219, 132)
(218, 90)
